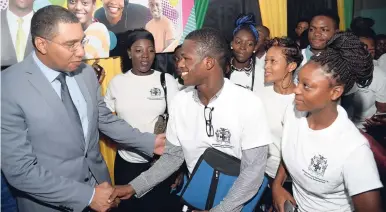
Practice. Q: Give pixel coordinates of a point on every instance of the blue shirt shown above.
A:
(75, 93)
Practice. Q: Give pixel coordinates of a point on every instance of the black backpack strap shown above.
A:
(163, 84)
(253, 77)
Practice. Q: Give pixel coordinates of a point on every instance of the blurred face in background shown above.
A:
(155, 7)
(83, 10)
(21, 7)
(369, 45)
(301, 27)
(113, 8)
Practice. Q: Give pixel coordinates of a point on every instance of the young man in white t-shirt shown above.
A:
(216, 113)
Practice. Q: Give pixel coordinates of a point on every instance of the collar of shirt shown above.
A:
(309, 53)
(49, 73)
(12, 17)
(197, 99)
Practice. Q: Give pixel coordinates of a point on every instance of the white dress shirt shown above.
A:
(13, 25)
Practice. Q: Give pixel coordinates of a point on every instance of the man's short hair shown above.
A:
(45, 21)
(329, 13)
(211, 43)
(265, 30)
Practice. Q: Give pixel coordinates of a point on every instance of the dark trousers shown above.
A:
(8, 201)
(158, 199)
(266, 200)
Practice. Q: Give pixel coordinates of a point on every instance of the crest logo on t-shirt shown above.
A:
(223, 138)
(155, 94)
(318, 165)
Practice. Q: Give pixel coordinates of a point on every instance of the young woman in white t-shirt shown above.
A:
(282, 59)
(137, 96)
(243, 70)
(329, 160)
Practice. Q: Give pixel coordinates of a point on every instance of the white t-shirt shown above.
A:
(260, 62)
(327, 166)
(365, 98)
(244, 80)
(275, 106)
(238, 121)
(381, 62)
(139, 100)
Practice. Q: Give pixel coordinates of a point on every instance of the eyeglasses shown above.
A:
(71, 47)
(208, 121)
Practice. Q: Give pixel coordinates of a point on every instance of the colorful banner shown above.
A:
(103, 20)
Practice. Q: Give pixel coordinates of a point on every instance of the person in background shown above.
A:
(303, 41)
(282, 59)
(323, 25)
(177, 74)
(232, 109)
(51, 114)
(15, 32)
(380, 50)
(243, 71)
(120, 16)
(97, 35)
(368, 101)
(301, 26)
(264, 35)
(160, 26)
(321, 148)
(137, 97)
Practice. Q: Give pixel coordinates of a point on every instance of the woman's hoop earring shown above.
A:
(282, 81)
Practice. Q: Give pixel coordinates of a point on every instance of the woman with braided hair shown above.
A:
(328, 159)
(244, 46)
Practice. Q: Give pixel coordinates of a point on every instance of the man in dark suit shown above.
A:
(15, 26)
(50, 122)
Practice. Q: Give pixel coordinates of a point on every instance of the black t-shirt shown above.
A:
(134, 16)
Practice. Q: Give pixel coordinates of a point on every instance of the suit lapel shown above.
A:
(87, 97)
(29, 47)
(44, 87)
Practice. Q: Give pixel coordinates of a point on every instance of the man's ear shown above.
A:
(336, 92)
(209, 62)
(41, 45)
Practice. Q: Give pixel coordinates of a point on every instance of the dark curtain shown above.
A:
(222, 14)
(297, 9)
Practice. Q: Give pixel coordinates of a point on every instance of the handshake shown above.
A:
(107, 197)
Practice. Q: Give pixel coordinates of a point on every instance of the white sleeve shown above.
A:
(379, 80)
(360, 172)
(256, 131)
(172, 88)
(382, 62)
(171, 132)
(109, 97)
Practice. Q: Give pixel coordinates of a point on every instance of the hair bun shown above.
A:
(248, 19)
(349, 59)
